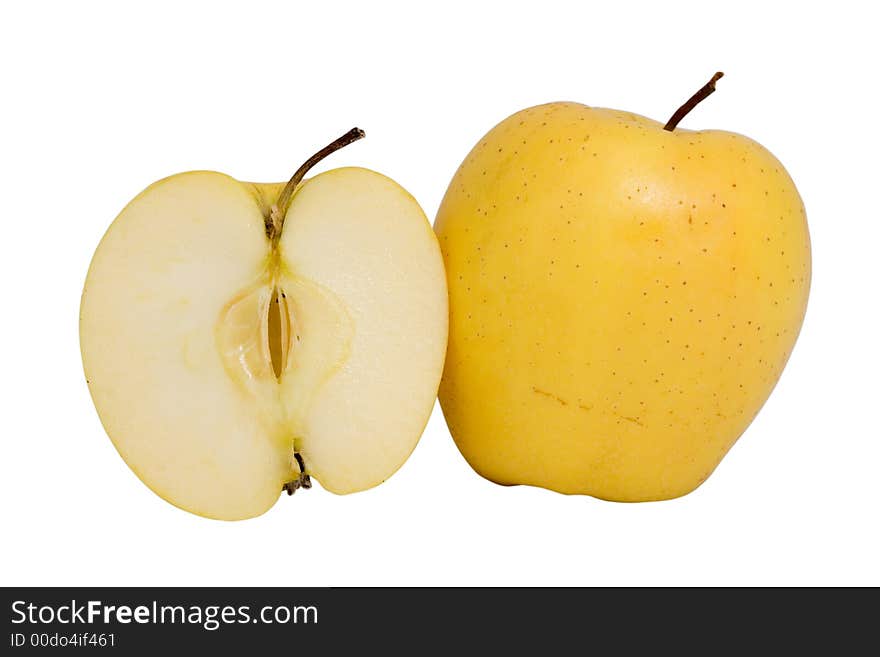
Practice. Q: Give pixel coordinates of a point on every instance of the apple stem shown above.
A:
(275, 221)
(704, 91)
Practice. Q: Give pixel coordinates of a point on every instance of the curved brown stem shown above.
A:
(279, 209)
(704, 91)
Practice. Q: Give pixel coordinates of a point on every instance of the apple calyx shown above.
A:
(301, 481)
(275, 220)
(702, 93)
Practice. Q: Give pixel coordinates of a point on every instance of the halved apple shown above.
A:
(238, 338)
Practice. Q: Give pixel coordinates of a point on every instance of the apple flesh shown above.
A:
(226, 365)
(623, 299)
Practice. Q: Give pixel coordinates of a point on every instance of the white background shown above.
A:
(100, 99)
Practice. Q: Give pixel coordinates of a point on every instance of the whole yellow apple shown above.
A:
(623, 297)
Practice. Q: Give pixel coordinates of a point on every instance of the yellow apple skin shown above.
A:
(622, 299)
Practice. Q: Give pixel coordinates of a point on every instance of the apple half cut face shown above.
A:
(227, 365)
